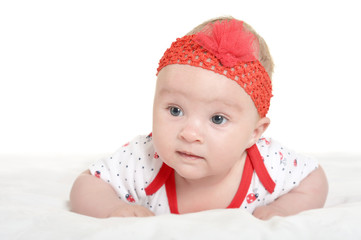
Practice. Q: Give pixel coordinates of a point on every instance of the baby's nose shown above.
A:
(192, 132)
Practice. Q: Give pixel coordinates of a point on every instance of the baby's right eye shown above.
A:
(175, 111)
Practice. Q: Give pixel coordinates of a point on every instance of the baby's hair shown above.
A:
(264, 54)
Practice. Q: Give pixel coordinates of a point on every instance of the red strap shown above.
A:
(172, 194)
(244, 185)
(260, 168)
(159, 180)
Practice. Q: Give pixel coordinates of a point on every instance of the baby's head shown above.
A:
(212, 93)
(231, 48)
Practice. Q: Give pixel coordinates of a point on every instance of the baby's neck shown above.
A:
(213, 192)
(213, 180)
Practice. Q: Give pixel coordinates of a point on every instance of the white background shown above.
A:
(77, 77)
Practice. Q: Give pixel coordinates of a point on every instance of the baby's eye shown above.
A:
(218, 119)
(175, 111)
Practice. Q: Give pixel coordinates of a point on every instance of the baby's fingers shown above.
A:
(140, 211)
(126, 210)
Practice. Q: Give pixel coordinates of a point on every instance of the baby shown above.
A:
(206, 150)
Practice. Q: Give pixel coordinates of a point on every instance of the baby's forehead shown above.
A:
(200, 84)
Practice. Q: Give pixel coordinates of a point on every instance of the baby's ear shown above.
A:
(260, 128)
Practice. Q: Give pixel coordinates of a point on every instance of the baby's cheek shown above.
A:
(159, 147)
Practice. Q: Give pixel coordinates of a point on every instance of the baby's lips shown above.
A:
(189, 154)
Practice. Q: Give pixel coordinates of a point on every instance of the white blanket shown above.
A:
(34, 205)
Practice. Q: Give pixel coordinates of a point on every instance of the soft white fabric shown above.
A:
(135, 165)
(34, 194)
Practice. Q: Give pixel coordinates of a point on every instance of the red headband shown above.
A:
(227, 49)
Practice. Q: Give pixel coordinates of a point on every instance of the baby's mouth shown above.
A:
(189, 155)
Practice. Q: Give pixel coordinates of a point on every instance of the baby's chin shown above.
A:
(191, 174)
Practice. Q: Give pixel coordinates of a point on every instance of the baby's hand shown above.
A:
(267, 212)
(126, 210)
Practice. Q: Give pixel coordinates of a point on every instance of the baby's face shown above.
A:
(202, 121)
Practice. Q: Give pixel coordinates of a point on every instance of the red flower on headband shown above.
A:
(229, 42)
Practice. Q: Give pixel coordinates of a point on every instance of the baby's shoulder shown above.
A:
(280, 159)
(130, 169)
(133, 159)
(285, 167)
(139, 152)
(271, 149)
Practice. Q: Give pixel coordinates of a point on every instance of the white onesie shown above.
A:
(139, 176)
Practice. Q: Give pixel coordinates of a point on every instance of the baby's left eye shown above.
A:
(175, 111)
(218, 119)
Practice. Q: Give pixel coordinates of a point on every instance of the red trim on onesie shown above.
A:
(254, 162)
(172, 193)
(260, 168)
(159, 180)
(244, 185)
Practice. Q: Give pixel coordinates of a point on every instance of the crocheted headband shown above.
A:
(228, 49)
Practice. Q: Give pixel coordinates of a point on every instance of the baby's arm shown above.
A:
(93, 197)
(310, 194)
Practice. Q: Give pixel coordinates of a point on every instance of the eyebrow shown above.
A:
(231, 104)
(165, 90)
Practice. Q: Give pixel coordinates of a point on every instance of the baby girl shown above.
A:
(206, 150)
